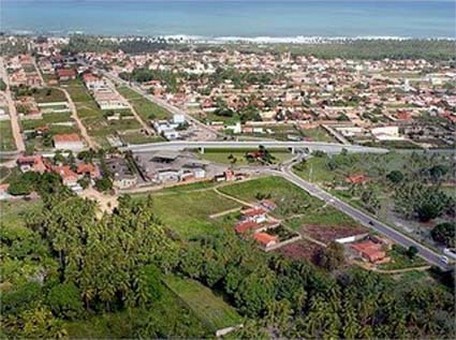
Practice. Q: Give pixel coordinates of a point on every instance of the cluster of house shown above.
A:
(70, 174)
(255, 222)
(22, 71)
(104, 93)
(365, 95)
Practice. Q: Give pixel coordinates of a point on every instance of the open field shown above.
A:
(48, 119)
(400, 260)
(238, 156)
(317, 134)
(94, 119)
(329, 233)
(77, 91)
(209, 308)
(145, 108)
(138, 137)
(290, 199)
(12, 212)
(300, 250)
(187, 213)
(49, 95)
(6, 136)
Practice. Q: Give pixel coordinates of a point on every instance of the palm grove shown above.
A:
(67, 266)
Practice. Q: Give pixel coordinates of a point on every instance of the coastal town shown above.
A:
(340, 163)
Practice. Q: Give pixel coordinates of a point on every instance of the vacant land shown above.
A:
(48, 119)
(49, 95)
(187, 213)
(145, 108)
(12, 213)
(209, 308)
(95, 119)
(6, 136)
(300, 250)
(400, 260)
(290, 199)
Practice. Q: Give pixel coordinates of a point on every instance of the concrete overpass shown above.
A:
(310, 146)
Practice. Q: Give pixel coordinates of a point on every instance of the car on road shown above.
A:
(371, 222)
(444, 259)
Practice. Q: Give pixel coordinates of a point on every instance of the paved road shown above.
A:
(162, 103)
(20, 145)
(365, 219)
(180, 145)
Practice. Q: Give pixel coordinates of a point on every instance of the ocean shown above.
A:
(225, 18)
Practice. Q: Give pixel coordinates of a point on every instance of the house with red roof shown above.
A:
(88, 169)
(356, 179)
(370, 251)
(69, 177)
(256, 214)
(246, 226)
(31, 163)
(266, 240)
(70, 141)
(65, 74)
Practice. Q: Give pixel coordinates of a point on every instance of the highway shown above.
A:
(365, 219)
(311, 146)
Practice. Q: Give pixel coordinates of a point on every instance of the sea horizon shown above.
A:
(231, 20)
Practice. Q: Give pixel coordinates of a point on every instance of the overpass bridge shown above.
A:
(251, 144)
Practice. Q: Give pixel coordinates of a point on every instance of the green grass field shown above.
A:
(49, 95)
(6, 136)
(145, 108)
(400, 260)
(137, 137)
(290, 199)
(48, 118)
(94, 118)
(188, 213)
(209, 308)
(12, 212)
(321, 216)
(77, 91)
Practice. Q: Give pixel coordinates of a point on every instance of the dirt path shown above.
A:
(233, 198)
(137, 116)
(43, 83)
(15, 127)
(74, 115)
(226, 212)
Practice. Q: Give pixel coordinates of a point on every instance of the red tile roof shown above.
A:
(71, 137)
(370, 250)
(356, 179)
(65, 172)
(243, 227)
(66, 72)
(252, 212)
(265, 238)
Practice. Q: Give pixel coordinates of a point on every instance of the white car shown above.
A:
(444, 259)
